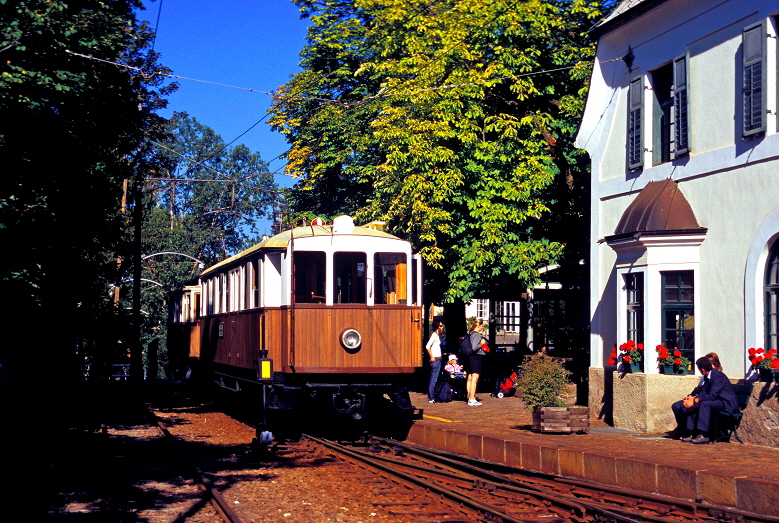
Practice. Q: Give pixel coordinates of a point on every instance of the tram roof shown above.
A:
(281, 240)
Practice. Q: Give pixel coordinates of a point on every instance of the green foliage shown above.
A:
(452, 121)
(70, 132)
(203, 199)
(542, 381)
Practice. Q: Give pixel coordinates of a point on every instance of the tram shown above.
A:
(325, 318)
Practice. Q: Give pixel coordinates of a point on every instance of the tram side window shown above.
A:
(349, 277)
(309, 270)
(390, 278)
(257, 272)
(196, 311)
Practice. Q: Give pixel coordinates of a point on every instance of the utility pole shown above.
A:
(118, 285)
(136, 349)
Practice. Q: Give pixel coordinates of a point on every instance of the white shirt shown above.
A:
(434, 345)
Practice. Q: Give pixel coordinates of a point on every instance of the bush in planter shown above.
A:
(542, 381)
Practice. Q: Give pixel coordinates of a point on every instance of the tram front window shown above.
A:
(309, 271)
(349, 277)
(390, 278)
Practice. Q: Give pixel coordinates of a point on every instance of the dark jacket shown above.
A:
(717, 386)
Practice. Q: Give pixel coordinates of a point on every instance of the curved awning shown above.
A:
(660, 208)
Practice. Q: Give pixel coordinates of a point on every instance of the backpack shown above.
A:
(443, 392)
(465, 345)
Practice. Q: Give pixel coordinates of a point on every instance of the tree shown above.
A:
(452, 121)
(203, 199)
(78, 89)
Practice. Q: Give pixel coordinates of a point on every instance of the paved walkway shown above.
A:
(729, 474)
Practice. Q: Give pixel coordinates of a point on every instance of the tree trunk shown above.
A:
(454, 321)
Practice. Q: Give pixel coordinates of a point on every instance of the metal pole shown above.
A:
(136, 347)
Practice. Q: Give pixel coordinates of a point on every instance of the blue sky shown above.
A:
(251, 44)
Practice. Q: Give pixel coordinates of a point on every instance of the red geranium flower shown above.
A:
(752, 351)
(775, 364)
(640, 346)
(611, 361)
(626, 358)
(760, 350)
(677, 361)
(677, 353)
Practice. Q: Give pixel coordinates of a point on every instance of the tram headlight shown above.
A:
(351, 339)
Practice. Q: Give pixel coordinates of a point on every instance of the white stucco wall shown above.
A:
(731, 183)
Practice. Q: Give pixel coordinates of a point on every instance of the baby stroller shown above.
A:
(504, 386)
(454, 375)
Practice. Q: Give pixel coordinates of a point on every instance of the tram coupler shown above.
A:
(351, 403)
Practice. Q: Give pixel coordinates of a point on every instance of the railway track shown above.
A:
(489, 492)
(148, 477)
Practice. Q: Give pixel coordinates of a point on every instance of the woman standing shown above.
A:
(474, 360)
(434, 352)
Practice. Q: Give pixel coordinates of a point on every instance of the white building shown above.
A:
(681, 127)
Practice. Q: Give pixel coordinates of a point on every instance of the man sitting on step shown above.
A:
(693, 413)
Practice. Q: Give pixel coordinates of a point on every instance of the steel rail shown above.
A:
(216, 499)
(516, 486)
(713, 512)
(446, 492)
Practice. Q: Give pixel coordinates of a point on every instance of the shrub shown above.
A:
(542, 381)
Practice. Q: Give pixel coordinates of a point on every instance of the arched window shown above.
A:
(771, 288)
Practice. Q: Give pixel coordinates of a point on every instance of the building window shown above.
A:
(634, 285)
(390, 278)
(671, 115)
(309, 276)
(635, 123)
(678, 307)
(772, 299)
(754, 79)
(662, 86)
(509, 315)
(349, 279)
(482, 309)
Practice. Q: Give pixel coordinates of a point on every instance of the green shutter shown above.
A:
(635, 123)
(681, 107)
(754, 78)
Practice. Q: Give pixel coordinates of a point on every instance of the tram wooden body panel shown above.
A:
(391, 337)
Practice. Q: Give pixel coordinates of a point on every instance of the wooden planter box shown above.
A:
(561, 419)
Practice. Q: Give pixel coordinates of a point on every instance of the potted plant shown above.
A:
(543, 381)
(631, 354)
(671, 362)
(766, 363)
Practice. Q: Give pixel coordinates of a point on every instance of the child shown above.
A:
(454, 369)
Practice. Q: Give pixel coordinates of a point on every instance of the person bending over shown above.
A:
(693, 413)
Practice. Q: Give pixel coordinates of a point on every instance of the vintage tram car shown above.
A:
(332, 311)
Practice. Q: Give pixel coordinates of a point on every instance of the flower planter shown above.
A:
(561, 419)
(767, 375)
(631, 367)
(673, 369)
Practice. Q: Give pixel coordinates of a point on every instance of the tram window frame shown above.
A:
(234, 290)
(350, 278)
(256, 281)
(390, 285)
(309, 273)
